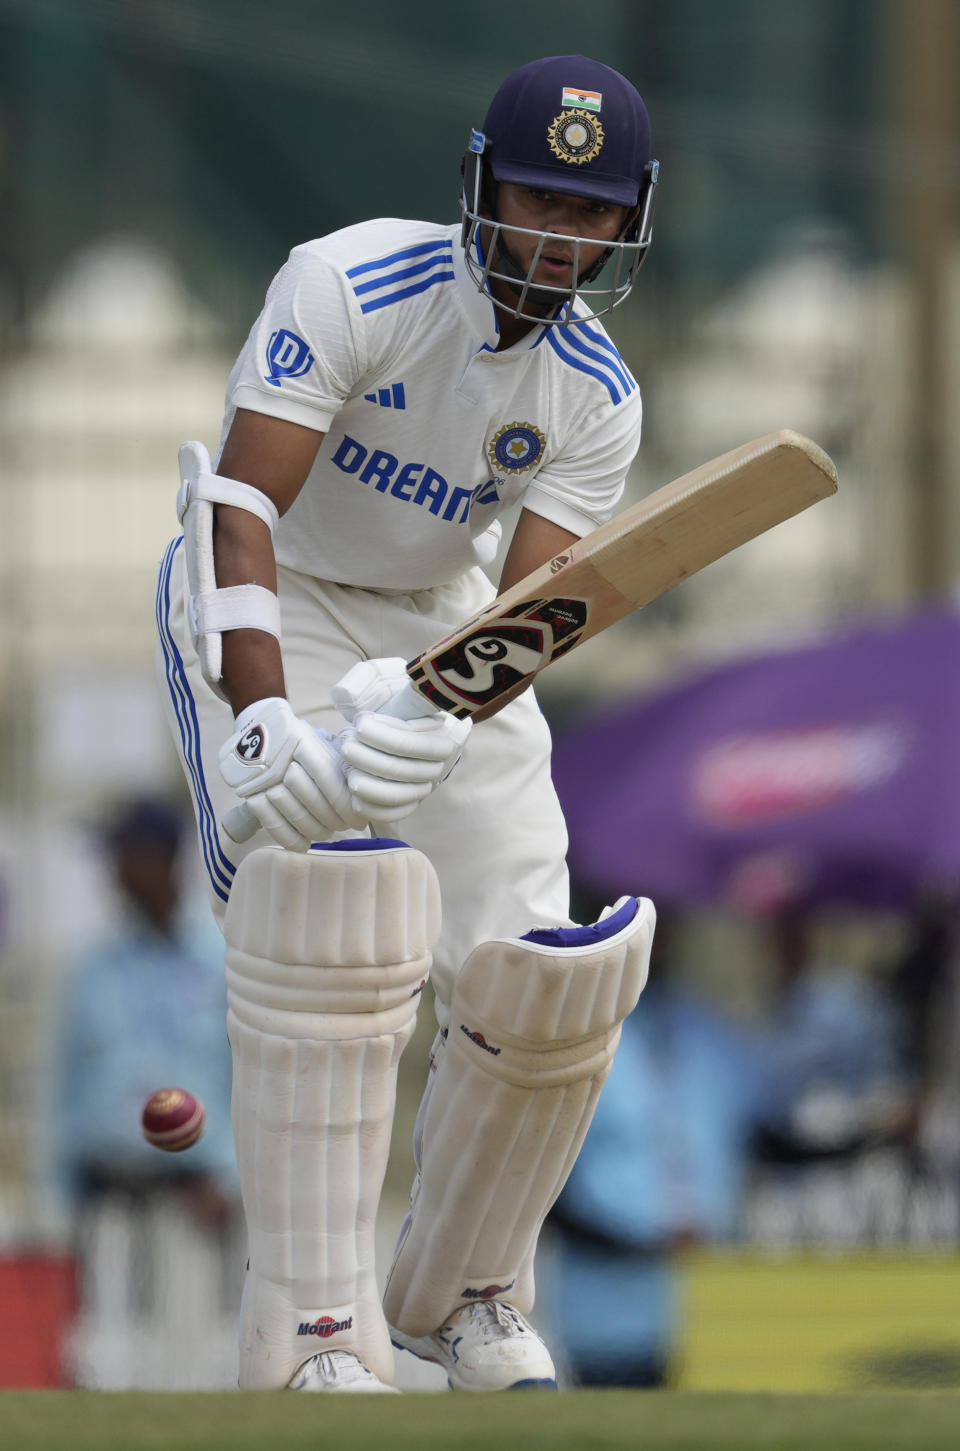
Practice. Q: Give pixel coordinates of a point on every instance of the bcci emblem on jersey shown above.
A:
(287, 357)
(516, 447)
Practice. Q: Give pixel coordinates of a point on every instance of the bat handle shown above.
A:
(240, 824)
(407, 704)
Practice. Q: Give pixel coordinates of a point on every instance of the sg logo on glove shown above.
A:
(252, 744)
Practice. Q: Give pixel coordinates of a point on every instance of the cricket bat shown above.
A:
(623, 565)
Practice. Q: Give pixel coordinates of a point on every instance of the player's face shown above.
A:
(564, 217)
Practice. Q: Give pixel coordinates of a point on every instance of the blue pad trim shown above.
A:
(585, 936)
(358, 843)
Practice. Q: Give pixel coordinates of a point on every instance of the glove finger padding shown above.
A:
(287, 772)
(386, 767)
(277, 825)
(432, 738)
(393, 764)
(375, 794)
(317, 778)
(424, 749)
(291, 807)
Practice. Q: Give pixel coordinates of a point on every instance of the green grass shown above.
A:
(536, 1421)
(815, 1324)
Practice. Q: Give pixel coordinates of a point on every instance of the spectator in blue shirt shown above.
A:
(838, 1040)
(663, 1166)
(144, 1008)
(157, 1235)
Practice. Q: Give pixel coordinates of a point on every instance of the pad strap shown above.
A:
(238, 607)
(216, 489)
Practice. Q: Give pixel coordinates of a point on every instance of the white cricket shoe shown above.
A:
(337, 1370)
(486, 1347)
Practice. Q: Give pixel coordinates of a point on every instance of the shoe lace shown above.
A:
(498, 1321)
(344, 1366)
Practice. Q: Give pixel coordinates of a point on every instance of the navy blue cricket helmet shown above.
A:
(572, 125)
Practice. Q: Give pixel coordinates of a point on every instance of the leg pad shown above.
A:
(533, 1029)
(326, 956)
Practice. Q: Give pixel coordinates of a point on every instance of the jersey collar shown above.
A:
(478, 307)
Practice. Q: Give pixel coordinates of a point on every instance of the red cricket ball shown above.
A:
(172, 1119)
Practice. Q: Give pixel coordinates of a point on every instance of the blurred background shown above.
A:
(767, 751)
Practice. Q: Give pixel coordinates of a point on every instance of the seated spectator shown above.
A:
(836, 1038)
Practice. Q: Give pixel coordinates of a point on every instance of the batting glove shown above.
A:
(393, 763)
(289, 774)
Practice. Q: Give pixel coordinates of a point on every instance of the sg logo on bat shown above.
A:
(500, 654)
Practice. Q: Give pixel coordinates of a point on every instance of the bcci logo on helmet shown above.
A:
(575, 136)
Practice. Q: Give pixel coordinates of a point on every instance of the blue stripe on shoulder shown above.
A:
(578, 359)
(392, 258)
(374, 303)
(601, 341)
(400, 275)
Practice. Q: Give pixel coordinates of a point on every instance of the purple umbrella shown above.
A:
(822, 774)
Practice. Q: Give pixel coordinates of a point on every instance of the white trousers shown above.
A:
(493, 831)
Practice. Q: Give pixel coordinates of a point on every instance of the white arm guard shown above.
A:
(213, 610)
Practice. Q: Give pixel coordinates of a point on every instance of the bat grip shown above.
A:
(407, 704)
(239, 822)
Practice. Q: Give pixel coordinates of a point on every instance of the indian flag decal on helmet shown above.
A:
(590, 100)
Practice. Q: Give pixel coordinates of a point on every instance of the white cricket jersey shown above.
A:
(378, 337)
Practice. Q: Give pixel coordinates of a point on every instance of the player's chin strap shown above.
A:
(213, 610)
(534, 1025)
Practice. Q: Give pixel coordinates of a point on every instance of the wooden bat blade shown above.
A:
(636, 557)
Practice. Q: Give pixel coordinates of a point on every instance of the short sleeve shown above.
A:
(580, 486)
(304, 354)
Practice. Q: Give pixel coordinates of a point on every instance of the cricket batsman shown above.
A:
(404, 385)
